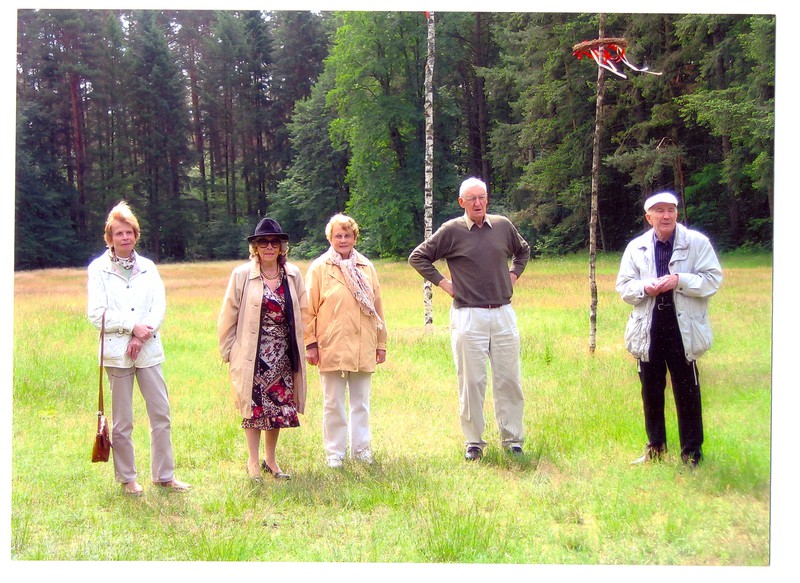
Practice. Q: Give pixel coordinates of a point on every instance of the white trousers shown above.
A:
(334, 417)
(154, 390)
(478, 335)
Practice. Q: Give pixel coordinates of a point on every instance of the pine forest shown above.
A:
(206, 121)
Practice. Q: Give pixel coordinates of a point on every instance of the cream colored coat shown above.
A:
(238, 328)
(127, 302)
(346, 337)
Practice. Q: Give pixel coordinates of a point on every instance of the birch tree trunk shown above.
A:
(427, 290)
(598, 133)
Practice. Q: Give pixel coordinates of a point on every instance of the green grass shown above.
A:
(572, 499)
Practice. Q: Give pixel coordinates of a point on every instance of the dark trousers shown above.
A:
(666, 354)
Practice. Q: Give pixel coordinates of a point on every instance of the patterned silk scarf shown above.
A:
(125, 263)
(358, 285)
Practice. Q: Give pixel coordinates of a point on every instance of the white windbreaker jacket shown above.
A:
(695, 262)
(140, 300)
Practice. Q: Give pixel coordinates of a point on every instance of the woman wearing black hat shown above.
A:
(260, 334)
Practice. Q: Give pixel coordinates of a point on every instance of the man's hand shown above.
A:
(447, 286)
(663, 284)
(380, 356)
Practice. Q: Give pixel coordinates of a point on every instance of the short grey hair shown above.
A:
(469, 183)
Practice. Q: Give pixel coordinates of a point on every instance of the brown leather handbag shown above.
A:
(102, 440)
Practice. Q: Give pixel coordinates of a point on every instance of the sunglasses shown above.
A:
(268, 242)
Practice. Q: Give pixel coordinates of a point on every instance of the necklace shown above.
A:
(124, 262)
(271, 277)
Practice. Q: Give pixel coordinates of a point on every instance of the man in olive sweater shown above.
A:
(483, 325)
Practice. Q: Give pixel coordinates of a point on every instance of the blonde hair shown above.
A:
(342, 221)
(123, 213)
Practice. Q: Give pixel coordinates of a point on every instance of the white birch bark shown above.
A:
(427, 291)
(593, 214)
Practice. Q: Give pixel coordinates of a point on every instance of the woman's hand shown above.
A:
(142, 332)
(134, 347)
(380, 356)
(312, 356)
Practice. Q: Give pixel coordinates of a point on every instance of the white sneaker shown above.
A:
(334, 461)
(364, 456)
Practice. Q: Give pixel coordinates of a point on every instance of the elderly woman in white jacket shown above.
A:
(127, 289)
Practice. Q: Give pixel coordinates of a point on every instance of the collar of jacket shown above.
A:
(679, 242)
(139, 267)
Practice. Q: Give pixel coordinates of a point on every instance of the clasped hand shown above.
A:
(662, 284)
(141, 334)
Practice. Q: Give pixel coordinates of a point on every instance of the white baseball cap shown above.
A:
(667, 197)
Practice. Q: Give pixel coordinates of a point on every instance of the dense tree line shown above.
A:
(206, 121)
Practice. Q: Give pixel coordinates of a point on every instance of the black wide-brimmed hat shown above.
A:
(267, 227)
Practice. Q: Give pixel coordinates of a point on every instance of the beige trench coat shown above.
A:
(238, 329)
(346, 337)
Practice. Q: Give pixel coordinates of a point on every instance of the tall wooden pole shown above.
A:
(593, 213)
(427, 290)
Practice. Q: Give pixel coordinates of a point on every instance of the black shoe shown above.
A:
(651, 454)
(691, 459)
(515, 450)
(473, 454)
(279, 475)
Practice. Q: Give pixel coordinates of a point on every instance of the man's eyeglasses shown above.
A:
(481, 198)
(268, 242)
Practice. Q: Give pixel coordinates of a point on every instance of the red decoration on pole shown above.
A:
(607, 53)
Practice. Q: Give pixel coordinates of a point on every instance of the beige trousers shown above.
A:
(154, 390)
(478, 336)
(335, 428)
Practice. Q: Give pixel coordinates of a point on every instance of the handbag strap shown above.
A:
(100, 390)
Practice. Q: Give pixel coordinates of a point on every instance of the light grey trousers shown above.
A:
(154, 390)
(478, 336)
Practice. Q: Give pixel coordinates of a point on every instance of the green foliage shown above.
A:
(202, 118)
(223, 240)
(314, 188)
(45, 232)
(377, 60)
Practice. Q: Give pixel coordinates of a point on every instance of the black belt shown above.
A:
(489, 306)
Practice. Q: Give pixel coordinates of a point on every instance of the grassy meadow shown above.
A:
(572, 499)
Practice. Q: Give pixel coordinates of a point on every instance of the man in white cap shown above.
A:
(668, 275)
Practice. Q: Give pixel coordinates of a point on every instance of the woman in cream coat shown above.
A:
(345, 336)
(260, 334)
